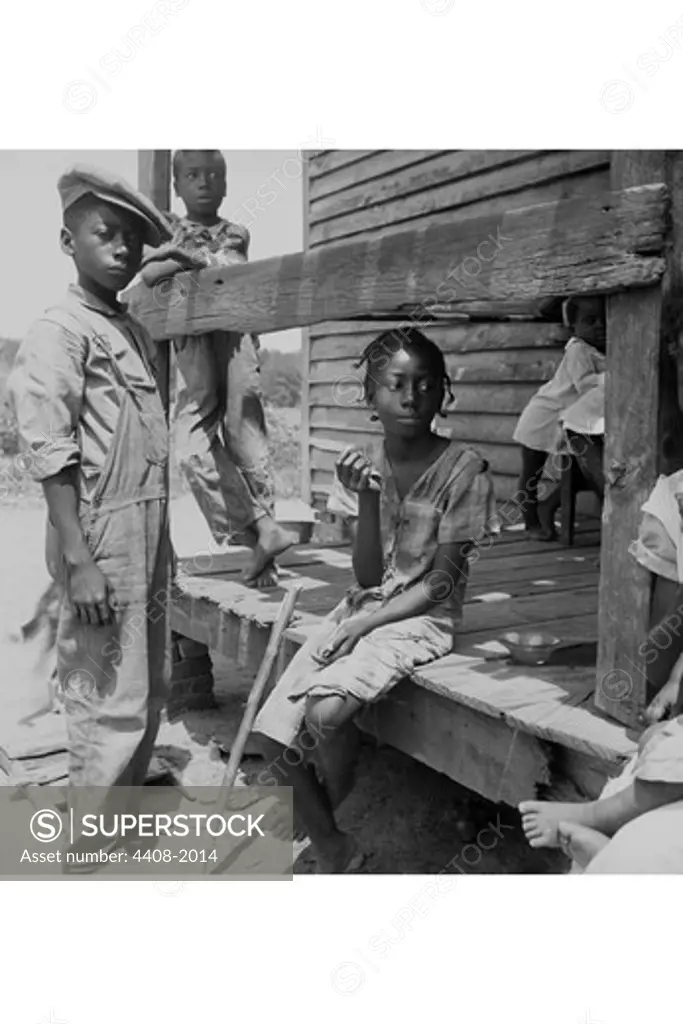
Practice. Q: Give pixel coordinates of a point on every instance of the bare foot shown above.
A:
(279, 823)
(580, 843)
(539, 533)
(541, 820)
(272, 541)
(266, 580)
(546, 518)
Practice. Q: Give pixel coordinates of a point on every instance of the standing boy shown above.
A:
(93, 428)
(220, 430)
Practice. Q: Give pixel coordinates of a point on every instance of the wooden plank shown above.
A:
(580, 186)
(551, 564)
(497, 590)
(464, 337)
(507, 367)
(598, 244)
(481, 427)
(478, 616)
(476, 750)
(472, 428)
(449, 186)
(375, 165)
(330, 159)
(579, 630)
(296, 559)
(199, 597)
(477, 426)
(631, 444)
(557, 333)
(395, 174)
(538, 701)
(508, 398)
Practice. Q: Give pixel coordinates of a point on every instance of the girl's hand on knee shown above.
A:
(343, 640)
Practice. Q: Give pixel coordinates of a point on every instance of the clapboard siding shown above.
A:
(501, 186)
(495, 367)
(390, 176)
(374, 165)
(344, 341)
(508, 366)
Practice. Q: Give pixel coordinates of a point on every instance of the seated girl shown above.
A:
(538, 430)
(416, 503)
(621, 831)
(583, 437)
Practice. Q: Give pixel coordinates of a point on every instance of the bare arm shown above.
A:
(168, 260)
(368, 561)
(664, 643)
(361, 486)
(87, 586)
(450, 563)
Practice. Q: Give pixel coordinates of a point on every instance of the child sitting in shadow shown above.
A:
(538, 430)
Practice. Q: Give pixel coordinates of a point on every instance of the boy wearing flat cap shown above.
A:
(93, 428)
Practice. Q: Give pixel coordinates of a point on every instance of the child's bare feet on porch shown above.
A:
(580, 843)
(541, 820)
(272, 541)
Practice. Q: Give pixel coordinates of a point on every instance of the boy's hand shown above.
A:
(343, 640)
(356, 472)
(89, 592)
(185, 259)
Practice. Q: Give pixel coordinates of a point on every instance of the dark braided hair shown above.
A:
(376, 356)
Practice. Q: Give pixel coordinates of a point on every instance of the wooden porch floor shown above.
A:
(505, 731)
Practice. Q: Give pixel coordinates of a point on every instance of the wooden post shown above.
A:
(154, 176)
(305, 357)
(671, 404)
(154, 180)
(632, 443)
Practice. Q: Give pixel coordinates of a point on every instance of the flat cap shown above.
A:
(82, 180)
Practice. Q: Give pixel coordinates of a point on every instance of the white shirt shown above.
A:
(539, 425)
(659, 546)
(587, 415)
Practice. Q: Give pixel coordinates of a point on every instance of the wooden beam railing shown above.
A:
(598, 244)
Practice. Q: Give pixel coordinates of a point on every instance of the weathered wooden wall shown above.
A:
(495, 367)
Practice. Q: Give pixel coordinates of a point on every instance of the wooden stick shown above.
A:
(279, 626)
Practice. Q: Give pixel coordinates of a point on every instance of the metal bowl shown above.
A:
(530, 648)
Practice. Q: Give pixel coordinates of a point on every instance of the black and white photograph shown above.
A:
(341, 512)
(391, 515)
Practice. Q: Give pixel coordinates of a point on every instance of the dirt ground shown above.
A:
(410, 819)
